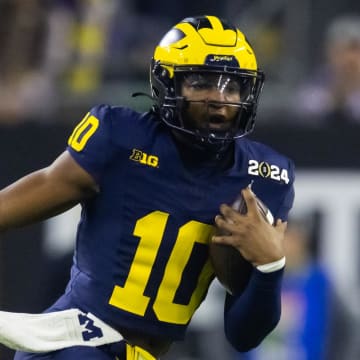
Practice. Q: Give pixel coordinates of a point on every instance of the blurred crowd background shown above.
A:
(62, 55)
(58, 58)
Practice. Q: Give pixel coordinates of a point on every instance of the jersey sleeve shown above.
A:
(252, 315)
(90, 142)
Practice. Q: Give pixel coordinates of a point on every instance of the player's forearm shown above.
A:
(45, 193)
(250, 317)
(30, 199)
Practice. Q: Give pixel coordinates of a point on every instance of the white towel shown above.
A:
(54, 331)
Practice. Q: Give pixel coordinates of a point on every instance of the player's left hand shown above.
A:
(258, 241)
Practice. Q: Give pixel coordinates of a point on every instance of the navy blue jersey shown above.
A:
(141, 259)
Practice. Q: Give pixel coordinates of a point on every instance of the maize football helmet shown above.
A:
(208, 51)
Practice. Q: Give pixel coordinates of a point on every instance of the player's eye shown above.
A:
(198, 82)
(232, 87)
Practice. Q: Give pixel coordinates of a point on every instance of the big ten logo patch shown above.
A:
(144, 158)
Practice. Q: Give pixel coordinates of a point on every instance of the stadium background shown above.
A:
(59, 58)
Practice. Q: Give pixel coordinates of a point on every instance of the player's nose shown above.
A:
(216, 95)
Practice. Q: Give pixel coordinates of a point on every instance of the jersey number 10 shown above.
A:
(131, 296)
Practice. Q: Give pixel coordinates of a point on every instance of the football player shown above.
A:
(150, 186)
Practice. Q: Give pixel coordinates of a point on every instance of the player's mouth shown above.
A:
(218, 123)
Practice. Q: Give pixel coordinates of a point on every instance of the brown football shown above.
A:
(231, 269)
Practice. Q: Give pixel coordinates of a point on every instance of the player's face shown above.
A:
(212, 101)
